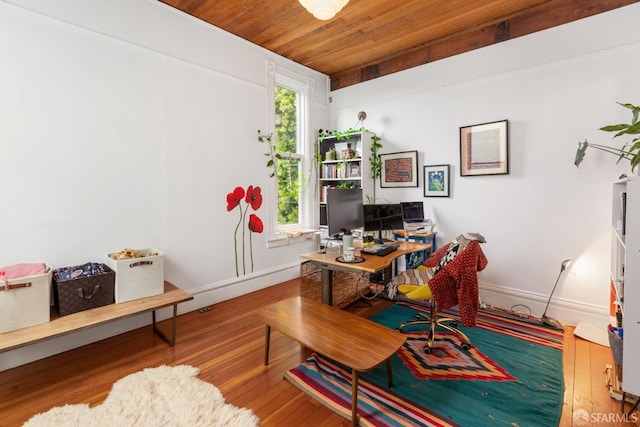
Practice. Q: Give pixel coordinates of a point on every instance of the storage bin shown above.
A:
(616, 343)
(25, 301)
(83, 292)
(347, 286)
(138, 277)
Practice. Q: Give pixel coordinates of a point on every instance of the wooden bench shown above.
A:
(352, 340)
(64, 325)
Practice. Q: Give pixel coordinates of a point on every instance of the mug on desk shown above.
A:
(349, 254)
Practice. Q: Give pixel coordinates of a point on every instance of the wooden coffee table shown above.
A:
(348, 339)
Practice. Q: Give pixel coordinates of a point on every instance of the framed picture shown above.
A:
(399, 169)
(436, 181)
(484, 149)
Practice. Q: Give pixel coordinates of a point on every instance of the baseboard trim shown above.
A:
(567, 311)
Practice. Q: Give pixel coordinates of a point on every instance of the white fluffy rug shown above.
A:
(163, 396)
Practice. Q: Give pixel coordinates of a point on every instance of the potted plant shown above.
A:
(629, 151)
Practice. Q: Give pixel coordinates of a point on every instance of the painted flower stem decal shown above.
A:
(253, 199)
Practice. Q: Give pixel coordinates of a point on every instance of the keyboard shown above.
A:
(387, 250)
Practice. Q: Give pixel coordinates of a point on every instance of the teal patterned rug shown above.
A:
(512, 376)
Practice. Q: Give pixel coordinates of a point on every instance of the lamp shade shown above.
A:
(323, 9)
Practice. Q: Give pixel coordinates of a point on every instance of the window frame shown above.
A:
(302, 86)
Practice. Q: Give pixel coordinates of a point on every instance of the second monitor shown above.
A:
(379, 218)
(344, 210)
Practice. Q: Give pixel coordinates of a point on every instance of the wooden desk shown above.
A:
(371, 264)
(417, 236)
(64, 325)
(348, 339)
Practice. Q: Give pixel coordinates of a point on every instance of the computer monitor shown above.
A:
(412, 211)
(383, 217)
(344, 210)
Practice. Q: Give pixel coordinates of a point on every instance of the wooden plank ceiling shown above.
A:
(373, 38)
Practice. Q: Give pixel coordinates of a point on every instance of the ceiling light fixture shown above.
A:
(323, 9)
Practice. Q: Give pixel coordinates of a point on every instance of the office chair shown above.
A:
(447, 278)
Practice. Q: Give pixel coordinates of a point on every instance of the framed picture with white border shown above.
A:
(484, 149)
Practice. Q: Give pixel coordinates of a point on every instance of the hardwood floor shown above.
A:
(227, 344)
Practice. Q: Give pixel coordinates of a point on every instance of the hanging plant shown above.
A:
(271, 153)
(374, 158)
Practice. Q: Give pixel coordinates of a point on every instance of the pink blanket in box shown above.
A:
(17, 271)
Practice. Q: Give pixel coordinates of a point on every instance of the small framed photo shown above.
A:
(354, 170)
(399, 169)
(436, 181)
(484, 149)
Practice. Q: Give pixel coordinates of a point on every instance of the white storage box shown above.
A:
(25, 301)
(138, 277)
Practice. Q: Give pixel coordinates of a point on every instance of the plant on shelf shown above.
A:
(374, 157)
(629, 151)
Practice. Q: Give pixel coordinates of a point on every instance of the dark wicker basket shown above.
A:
(84, 293)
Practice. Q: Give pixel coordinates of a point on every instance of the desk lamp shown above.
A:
(549, 321)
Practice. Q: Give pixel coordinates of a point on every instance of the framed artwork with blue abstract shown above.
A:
(436, 181)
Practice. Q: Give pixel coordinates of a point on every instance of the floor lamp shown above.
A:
(549, 321)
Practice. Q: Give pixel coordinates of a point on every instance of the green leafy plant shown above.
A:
(629, 151)
(271, 153)
(374, 158)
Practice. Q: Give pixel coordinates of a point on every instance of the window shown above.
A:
(290, 209)
(289, 181)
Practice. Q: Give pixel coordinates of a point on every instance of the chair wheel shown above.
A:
(465, 346)
(427, 349)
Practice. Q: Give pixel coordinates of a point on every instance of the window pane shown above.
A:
(286, 120)
(286, 141)
(288, 191)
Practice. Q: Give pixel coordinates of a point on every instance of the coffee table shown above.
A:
(351, 340)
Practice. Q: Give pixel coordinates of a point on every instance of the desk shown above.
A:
(371, 264)
(423, 237)
(413, 236)
(64, 325)
(348, 339)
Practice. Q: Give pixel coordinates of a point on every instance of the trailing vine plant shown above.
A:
(374, 158)
(272, 162)
(271, 153)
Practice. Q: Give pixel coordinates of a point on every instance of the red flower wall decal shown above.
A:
(254, 199)
(234, 198)
(255, 224)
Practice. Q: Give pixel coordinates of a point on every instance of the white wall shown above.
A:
(556, 87)
(125, 123)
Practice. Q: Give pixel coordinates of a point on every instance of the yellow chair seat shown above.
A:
(416, 292)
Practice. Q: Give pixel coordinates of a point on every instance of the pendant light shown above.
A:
(323, 9)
